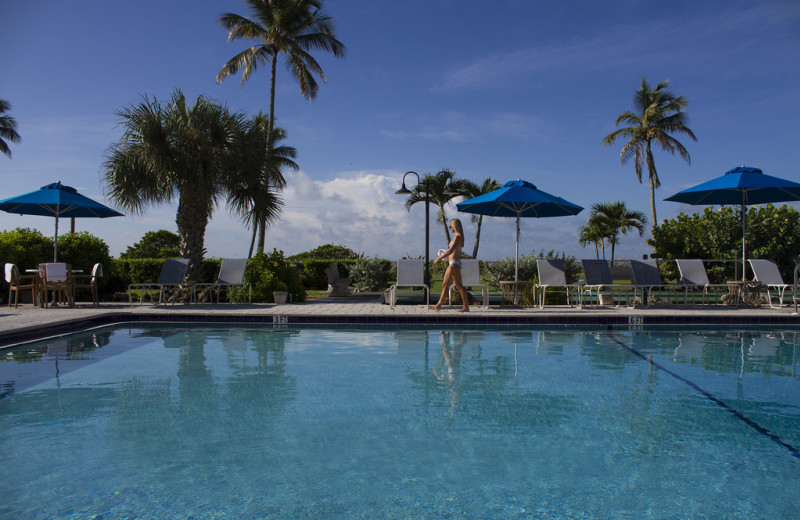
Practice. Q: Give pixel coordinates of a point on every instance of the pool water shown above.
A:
(168, 422)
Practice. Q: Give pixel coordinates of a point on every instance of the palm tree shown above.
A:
(8, 128)
(289, 27)
(592, 234)
(471, 190)
(254, 190)
(612, 218)
(437, 187)
(175, 150)
(657, 114)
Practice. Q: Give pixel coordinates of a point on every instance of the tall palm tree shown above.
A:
(437, 186)
(254, 189)
(657, 114)
(289, 27)
(8, 128)
(613, 218)
(175, 151)
(471, 190)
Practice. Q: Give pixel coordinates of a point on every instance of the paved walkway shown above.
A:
(28, 322)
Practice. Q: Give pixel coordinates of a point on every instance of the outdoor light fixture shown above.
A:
(405, 191)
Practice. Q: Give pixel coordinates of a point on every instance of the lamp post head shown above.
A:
(403, 190)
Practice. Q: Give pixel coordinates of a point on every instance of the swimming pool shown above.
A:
(174, 422)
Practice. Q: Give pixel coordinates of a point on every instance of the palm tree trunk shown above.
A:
(252, 242)
(446, 225)
(651, 170)
(192, 220)
(478, 237)
(261, 228)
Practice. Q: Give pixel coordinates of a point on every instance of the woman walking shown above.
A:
(453, 273)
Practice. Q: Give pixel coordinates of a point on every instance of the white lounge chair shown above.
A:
(471, 277)
(171, 278)
(766, 272)
(410, 273)
(694, 276)
(231, 275)
(551, 274)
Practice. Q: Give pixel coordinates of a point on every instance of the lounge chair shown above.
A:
(766, 272)
(171, 278)
(89, 281)
(471, 277)
(231, 275)
(694, 276)
(597, 274)
(646, 278)
(339, 286)
(551, 274)
(20, 282)
(410, 273)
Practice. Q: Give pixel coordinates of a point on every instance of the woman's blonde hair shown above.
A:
(457, 225)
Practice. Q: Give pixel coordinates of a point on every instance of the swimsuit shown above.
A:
(456, 249)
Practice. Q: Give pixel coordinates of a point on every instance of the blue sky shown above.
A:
(519, 89)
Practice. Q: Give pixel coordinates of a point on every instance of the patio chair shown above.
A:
(766, 272)
(410, 273)
(646, 278)
(551, 274)
(89, 281)
(171, 278)
(231, 275)
(471, 277)
(18, 282)
(339, 287)
(694, 276)
(597, 275)
(57, 277)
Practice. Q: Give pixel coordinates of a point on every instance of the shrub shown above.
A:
(272, 272)
(370, 274)
(327, 251)
(155, 244)
(25, 247)
(503, 269)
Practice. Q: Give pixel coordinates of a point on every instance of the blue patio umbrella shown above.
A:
(57, 200)
(742, 185)
(519, 199)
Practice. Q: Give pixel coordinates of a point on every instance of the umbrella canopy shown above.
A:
(519, 199)
(57, 200)
(742, 185)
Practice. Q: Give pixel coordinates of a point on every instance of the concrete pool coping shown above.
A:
(28, 323)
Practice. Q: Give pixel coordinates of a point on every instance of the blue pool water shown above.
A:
(168, 422)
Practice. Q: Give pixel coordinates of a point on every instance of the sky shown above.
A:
(505, 89)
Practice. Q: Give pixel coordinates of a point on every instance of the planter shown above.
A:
(606, 299)
(280, 297)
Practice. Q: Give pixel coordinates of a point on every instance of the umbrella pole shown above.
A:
(55, 244)
(744, 242)
(516, 265)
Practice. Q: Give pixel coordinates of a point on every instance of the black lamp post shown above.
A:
(405, 191)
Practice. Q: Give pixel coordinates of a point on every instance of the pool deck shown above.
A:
(28, 323)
